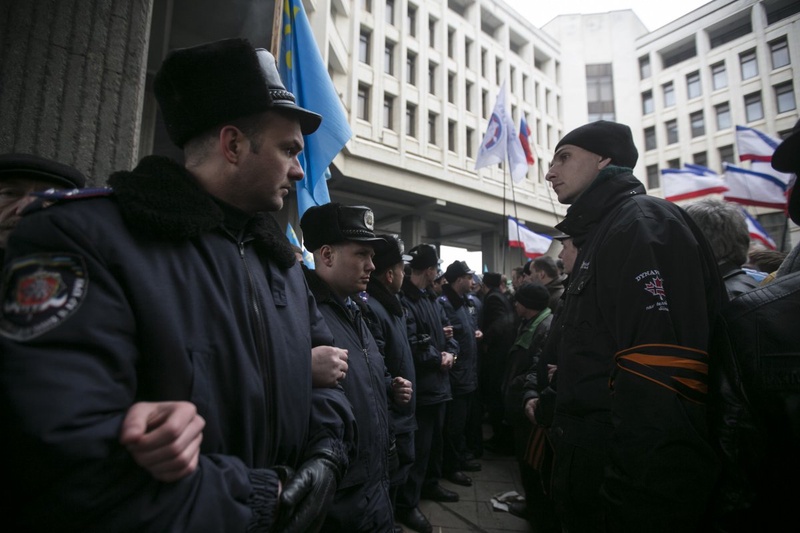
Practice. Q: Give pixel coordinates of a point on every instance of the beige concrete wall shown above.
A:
(71, 80)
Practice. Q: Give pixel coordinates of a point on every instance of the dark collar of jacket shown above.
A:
(611, 186)
(412, 292)
(161, 199)
(321, 290)
(452, 296)
(378, 291)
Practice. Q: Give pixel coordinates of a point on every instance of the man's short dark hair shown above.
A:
(547, 265)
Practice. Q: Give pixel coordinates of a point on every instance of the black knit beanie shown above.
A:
(533, 296)
(606, 139)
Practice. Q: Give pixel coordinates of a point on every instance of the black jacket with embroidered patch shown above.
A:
(633, 352)
(175, 306)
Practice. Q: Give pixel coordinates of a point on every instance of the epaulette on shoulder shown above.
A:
(50, 197)
(364, 296)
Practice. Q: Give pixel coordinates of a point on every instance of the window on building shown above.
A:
(723, 116)
(780, 10)
(451, 135)
(411, 68)
(779, 51)
(784, 96)
(747, 60)
(753, 109)
(468, 90)
(411, 120)
(366, 5)
(599, 92)
(498, 69)
(731, 29)
(669, 94)
(363, 102)
(693, 89)
(700, 158)
(411, 20)
(484, 59)
(486, 104)
(388, 58)
(388, 112)
(432, 32)
(672, 131)
(389, 12)
(698, 122)
(726, 153)
(470, 140)
(451, 87)
(363, 46)
(468, 53)
(644, 67)
(432, 78)
(650, 138)
(653, 181)
(451, 43)
(432, 127)
(513, 77)
(647, 103)
(674, 163)
(719, 76)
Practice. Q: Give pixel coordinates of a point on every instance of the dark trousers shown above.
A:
(455, 436)
(427, 467)
(405, 455)
(363, 508)
(541, 509)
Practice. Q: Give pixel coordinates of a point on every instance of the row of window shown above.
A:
(754, 110)
(719, 76)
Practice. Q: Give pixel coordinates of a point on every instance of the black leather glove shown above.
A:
(307, 495)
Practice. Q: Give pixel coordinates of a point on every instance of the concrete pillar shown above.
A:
(412, 228)
(492, 253)
(72, 80)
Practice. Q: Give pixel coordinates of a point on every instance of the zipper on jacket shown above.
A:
(261, 344)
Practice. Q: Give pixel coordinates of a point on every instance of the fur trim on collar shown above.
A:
(452, 296)
(160, 199)
(412, 292)
(378, 291)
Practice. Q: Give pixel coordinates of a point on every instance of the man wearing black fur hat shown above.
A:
(756, 416)
(343, 241)
(177, 285)
(630, 427)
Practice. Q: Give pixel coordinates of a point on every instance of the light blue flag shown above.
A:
(305, 75)
(308, 257)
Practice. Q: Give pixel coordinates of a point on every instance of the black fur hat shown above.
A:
(606, 139)
(203, 86)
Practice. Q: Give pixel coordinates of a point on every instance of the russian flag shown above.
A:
(520, 236)
(692, 181)
(525, 139)
(747, 187)
(757, 231)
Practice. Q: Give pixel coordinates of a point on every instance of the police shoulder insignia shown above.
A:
(39, 292)
(45, 199)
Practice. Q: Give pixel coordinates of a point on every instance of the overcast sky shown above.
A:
(653, 14)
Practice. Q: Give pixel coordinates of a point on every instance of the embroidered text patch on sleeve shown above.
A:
(39, 292)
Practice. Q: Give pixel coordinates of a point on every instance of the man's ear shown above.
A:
(231, 143)
(326, 254)
(603, 163)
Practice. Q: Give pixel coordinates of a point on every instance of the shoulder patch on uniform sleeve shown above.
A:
(39, 292)
(45, 199)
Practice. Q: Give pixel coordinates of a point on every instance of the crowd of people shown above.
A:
(168, 364)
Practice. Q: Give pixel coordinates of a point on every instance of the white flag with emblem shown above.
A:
(500, 140)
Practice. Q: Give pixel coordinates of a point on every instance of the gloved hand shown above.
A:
(307, 495)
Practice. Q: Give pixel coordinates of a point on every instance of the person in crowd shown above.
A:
(630, 432)
(768, 261)
(463, 375)
(531, 304)
(527, 273)
(387, 322)
(757, 406)
(497, 325)
(434, 351)
(517, 277)
(343, 241)
(725, 228)
(545, 271)
(567, 256)
(438, 282)
(21, 175)
(96, 315)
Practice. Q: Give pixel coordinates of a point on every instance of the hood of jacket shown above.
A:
(161, 199)
(611, 186)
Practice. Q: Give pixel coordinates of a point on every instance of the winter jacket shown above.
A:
(633, 352)
(155, 292)
(464, 374)
(523, 360)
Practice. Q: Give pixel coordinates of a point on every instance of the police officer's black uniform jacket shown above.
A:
(386, 319)
(155, 292)
(633, 352)
(425, 321)
(464, 374)
(366, 386)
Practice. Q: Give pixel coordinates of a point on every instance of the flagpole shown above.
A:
(505, 223)
(277, 23)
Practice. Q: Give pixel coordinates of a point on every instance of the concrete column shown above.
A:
(412, 228)
(72, 80)
(492, 253)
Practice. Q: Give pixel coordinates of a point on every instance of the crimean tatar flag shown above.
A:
(520, 236)
(305, 75)
(308, 257)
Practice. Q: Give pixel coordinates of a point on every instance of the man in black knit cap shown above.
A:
(630, 428)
